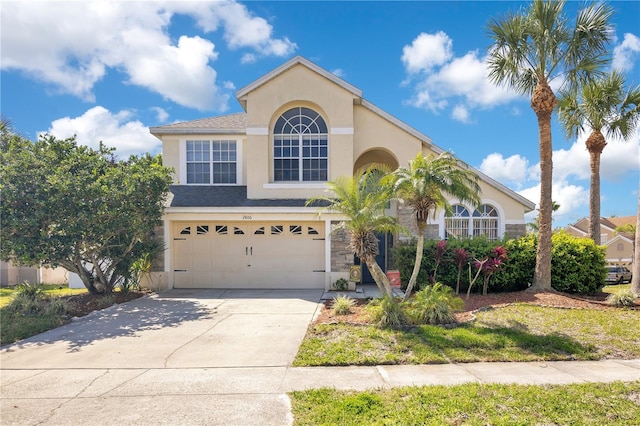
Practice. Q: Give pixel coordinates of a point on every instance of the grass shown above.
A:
(19, 321)
(54, 290)
(512, 333)
(472, 404)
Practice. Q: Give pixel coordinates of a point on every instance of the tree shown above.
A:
(361, 200)
(424, 186)
(600, 105)
(534, 226)
(635, 280)
(529, 50)
(76, 207)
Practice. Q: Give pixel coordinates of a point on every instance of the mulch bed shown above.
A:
(85, 303)
(477, 301)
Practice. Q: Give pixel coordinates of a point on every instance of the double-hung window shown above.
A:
(211, 162)
(300, 147)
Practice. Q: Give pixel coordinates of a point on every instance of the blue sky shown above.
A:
(109, 70)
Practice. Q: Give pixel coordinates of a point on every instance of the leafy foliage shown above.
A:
(362, 200)
(578, 264)
(388, 313)
(621, 298)
(72, 206)
(434, 305)
(342, 305)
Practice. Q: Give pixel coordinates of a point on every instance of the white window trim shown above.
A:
(183, 162)
(492, 203)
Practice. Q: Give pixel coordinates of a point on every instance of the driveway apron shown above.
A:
(178, 357)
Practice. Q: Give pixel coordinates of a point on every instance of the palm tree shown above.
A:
(424, 186)
(361, 200)
(532, 48)
(635, 280)
(602, 106)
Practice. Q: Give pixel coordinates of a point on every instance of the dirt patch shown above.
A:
(85, 303)
(476, 301)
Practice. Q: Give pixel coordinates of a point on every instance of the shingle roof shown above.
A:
(225, 196)
(231, 123)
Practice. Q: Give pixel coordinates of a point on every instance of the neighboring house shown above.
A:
(619, 245)
(236, 217)
(11, 274)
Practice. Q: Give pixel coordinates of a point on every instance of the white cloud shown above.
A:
(511, 169)
(460, 113)
(569, 196)
(617, 159)
(74, 44)
(339, 72)
(427, 51)
(117, 130)
(440, 77)
(161, 114)
(626, 53)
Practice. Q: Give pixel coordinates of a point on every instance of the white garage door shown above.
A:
(248, 255)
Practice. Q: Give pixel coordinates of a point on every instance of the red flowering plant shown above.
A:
(460, 258)
(441, 249)
(492, 264)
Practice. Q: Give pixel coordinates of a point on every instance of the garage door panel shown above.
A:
(249, 255)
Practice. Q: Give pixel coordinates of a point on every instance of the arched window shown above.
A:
(485, 222)
(457, 226)
(300, 146)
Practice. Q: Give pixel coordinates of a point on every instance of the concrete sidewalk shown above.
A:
(249, 395)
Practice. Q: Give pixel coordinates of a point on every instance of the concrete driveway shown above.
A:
(180, 357)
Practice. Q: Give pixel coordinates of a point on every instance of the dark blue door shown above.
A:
(385, 242)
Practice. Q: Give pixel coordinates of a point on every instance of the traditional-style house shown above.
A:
(236, 215)
(619, 245)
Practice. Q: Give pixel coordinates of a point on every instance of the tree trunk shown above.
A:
(543, 102)
(417, 263)
(379, 277)
(595, 144)
(635, 281)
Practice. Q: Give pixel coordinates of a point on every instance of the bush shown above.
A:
(342, 305)
(577, 264)
(621, 299)
(434, 305)
(388, 313)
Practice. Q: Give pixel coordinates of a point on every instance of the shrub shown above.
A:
(621, 299)
(341, 284)
(434, 305)
(577, 264)
(388, 313)
(342, 305)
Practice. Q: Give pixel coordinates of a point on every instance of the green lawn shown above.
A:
(512, 333)
(472, 404)
(19, 325)
(51, 289)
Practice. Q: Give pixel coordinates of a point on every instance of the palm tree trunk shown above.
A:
(416, 265)
(595, 144)
(543, 103)
(378, 276)
(635, 280)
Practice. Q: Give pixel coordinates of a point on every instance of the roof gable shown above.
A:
(241, 94)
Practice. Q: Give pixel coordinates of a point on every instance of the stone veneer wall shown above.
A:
(406, 219)
(515, 230)
(341, 255)
(158, 262)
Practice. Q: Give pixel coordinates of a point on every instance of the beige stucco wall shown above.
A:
(373, 132)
